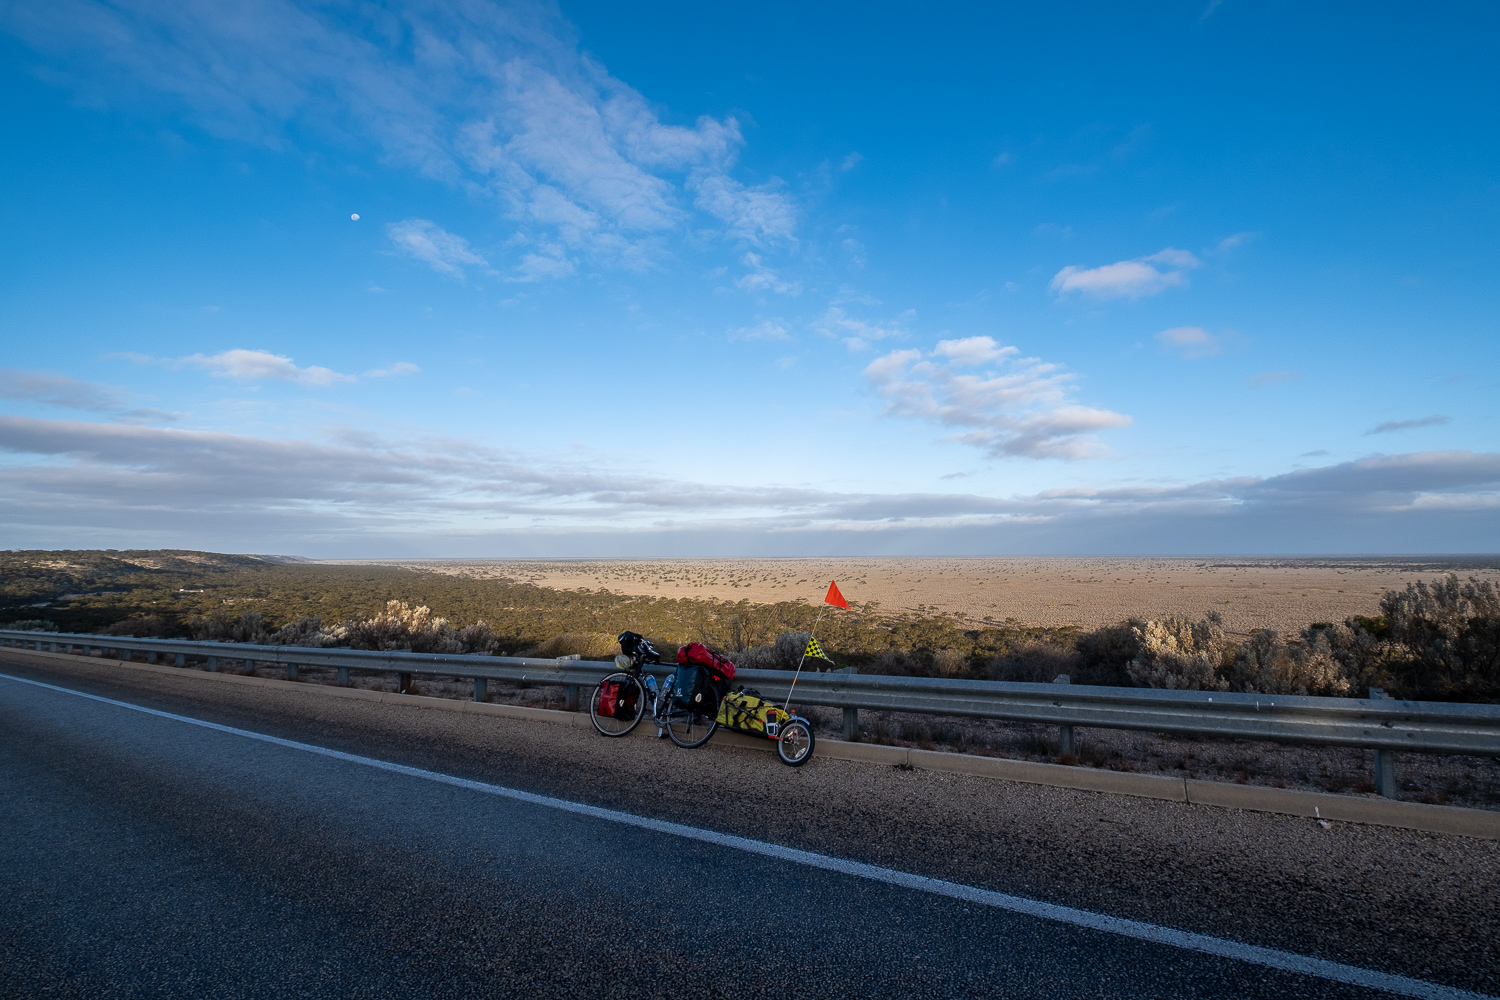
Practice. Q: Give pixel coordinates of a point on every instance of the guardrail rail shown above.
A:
(1380, 723)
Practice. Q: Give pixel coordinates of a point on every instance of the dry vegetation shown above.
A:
(1279, 594)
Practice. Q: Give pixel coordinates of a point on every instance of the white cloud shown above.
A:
(768, 329)
(1008, 405)
(1233, 242)
(255, 366)
(762, 279)
(430, 243)
(495, 99)
(1192, 341)
(1129, 279)
(759, 214)
(858, 334)
(399, 368)
(851, 161)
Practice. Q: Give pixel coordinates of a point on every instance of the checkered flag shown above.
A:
(815, 651)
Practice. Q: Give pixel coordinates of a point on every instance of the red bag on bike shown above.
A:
(609, 694)
(700, 655)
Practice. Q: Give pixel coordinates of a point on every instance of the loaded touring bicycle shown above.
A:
(690, 705)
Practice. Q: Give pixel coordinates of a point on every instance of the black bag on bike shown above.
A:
(694, 690)
(637, 646)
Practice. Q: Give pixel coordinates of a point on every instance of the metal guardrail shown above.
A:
(1379, 724)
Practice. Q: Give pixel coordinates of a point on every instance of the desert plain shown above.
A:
(1284, 594)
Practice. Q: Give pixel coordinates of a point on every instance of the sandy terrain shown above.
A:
(1282, 594)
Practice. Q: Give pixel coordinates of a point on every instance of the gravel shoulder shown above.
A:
(1417, 904)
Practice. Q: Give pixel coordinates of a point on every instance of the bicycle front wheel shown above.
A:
(617, 704)
(689, 730)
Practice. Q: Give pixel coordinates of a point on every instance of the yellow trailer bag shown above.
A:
(747, 712)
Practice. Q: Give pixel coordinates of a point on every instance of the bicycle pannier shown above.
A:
(625, 701)
(697, 691)
(609, 698)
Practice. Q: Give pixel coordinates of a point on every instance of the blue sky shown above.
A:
(867, 279)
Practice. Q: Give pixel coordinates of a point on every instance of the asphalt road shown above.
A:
(147, 857)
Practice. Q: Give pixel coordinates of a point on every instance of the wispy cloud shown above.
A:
(1233, 242)
(51, 389)
(397, 369)
(1008, 405)
(1392, 426)
(1127, 279)
(434, 246)
(766, 329)
(1192, 341)
(858, 334)
(762, 279)
(762, 214)
(494, 99)
(263, 366)
(1271, 378)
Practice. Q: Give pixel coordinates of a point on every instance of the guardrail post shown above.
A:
(180, 660)
(1067, 746)
(1385, 773)
(150, 656)
(1385, 760)
(481, 686)
(291, 671)
(213, 664)
(343, 677)
(851, 715)
(572, 702)
(250, 667)
(403, 683)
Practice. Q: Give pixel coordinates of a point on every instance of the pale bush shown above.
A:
(308, 631)
(1179, 654)
(1265, 664)
(758, 658)
(783, 654)
(33, 625)
(402, 627)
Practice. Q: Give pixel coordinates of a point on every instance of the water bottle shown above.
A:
(651, 687)
(772, 726)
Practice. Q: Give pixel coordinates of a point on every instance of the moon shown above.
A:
(354, 217)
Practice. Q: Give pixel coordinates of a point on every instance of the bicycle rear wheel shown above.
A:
(617, 711)
(689, 730)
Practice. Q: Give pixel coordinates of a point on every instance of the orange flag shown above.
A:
(834, 597)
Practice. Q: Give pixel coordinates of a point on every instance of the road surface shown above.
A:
(145, 855)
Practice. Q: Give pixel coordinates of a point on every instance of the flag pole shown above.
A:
(787, 708)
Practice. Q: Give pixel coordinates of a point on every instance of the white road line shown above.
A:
(1221, 947)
